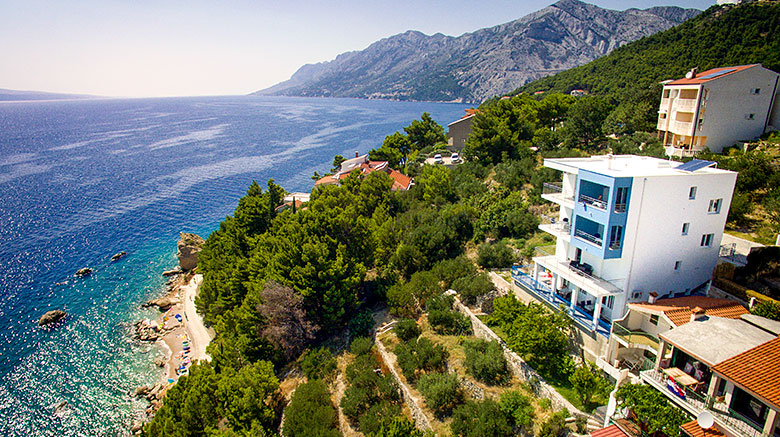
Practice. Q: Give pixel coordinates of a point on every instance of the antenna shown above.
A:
(705, 419)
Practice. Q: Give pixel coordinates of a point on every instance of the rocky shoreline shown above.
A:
(169, 328)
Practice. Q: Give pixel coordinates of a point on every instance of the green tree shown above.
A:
(768, 309)
(442, 392)
(587, 382)
(436, 185)
(652, 408)
(518, 408)
(337, 160)
(471, 287)
(584, 121)
(503, 131)
(318, 363)
(425, 132)
(246, 396)
(310, 412)
(478, 419)
(485, 361)
(395, 150)
(398, 426)
(496, 255)
(406, 329)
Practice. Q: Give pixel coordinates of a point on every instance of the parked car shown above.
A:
(455, 158)
(437, 159)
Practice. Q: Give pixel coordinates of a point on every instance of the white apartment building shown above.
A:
(717, 108)
(627, 226)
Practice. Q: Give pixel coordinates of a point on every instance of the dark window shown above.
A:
(685, 228)
(692, 193)
(621, 198)
(616, 237)
(654, 319)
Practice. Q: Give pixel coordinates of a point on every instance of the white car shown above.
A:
(455, 158)
(437, 159)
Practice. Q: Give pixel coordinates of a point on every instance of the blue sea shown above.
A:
(82, 180)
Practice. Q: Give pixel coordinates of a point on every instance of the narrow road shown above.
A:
(197, 332)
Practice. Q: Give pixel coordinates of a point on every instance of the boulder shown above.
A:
(146, 332)
(52, 316)
(86, 271)
(164, 303)
(188, 247)
(141, 391)
(175, 271)
(159, 361)
(119, 255)
(137, 426)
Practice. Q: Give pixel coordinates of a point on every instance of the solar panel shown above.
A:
(717, 73)
(695, 164)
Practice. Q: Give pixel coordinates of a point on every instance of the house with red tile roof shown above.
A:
(635, 337)
(717, 108)
(728, 367)
(401, 182)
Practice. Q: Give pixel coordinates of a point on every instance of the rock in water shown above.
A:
(86, 271)
(189, 246)
(175, 271)
(52, 316)
(163, 303)
(118, 255)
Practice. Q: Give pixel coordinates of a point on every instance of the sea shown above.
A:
(81, 180)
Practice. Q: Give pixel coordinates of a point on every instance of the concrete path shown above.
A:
(199, 336)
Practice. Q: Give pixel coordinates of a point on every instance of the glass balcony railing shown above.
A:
(598, 241)
(636, 336)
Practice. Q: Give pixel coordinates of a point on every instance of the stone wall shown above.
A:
(420, 419)
(520, 368)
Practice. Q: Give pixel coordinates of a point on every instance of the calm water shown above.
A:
(82, 180)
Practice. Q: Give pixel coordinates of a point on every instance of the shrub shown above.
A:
(310, 412)
(518, 408)
(767, 309)
(361, 346)
(361, 324)
(407, 329)
(371, 420)
(485, 361)
(398, 426)
(421, 354)
(478, 419)
(495, 256)
(471, 287)
(318, 363)
(442, 392)
(444, 320)
(555, 426)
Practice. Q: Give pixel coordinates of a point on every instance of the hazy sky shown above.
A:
(208, 47)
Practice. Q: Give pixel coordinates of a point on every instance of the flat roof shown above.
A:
(716, 339)
(770, 325)
(626, 166)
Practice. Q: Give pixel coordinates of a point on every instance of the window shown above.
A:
(666, 94)
(610, 302)
(685, 228)
(706, 240)
(700, 125)
(692, 193)
(654, 319)
(715, 206)
(755, 91)
(706, 93)
(677, 265)
(620, 199)
(662, 116)
(750, 116)
(616, 237)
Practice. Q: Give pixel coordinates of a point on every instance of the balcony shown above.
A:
(579, 275)
(596, 203)
(681, 127)
(593, 239)
(636, 337)
(685, 105)
(557, 228)
(661, 124)
(553, 191)
(694, 403)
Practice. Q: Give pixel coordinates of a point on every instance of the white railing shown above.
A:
(682, 127)
(596, 203)
(552, 188)
(687, 105)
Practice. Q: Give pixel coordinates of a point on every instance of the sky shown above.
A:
(145, 48)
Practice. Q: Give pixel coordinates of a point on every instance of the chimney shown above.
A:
(357, 154)
(697, 313)
(653, 296)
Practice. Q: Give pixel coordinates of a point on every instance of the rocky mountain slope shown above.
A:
(478, 65)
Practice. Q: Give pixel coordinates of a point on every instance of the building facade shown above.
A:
(628, 226)
(717, 108)
(459, 130)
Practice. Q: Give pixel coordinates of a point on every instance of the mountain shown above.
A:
(15, 95)
(478, 65)
(725, 35)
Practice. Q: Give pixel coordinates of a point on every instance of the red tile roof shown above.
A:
(678, 309)
(610, 431)
(700, 77)
(756, 370)
(693, 429)
(400, 181)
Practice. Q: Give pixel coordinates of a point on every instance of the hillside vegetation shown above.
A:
(721, 36)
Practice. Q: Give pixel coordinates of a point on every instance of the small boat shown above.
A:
(117, 256)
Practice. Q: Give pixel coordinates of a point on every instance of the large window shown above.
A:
(616, 237)
(621, 198)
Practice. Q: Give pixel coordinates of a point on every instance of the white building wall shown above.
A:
(659, 242)
(729, 103)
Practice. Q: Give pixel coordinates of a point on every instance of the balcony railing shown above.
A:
(545, 250)
(682, 127)
(552, 188)
(598, 241)
(635, 336)
(685, 105)
(620, 207)
(596, 203)
(553, 225)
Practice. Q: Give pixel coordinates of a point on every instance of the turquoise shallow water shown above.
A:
(82, 180)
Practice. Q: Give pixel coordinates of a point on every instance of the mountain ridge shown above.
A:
(477, 65)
